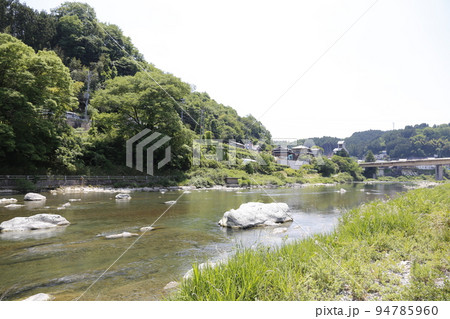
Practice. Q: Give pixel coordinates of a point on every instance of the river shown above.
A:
(65, 261)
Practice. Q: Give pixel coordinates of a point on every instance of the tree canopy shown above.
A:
(35, 92)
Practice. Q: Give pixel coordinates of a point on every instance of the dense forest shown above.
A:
(67, 60)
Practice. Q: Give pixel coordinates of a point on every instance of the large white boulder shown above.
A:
(256, 214)
(39, 221)
(34, 197)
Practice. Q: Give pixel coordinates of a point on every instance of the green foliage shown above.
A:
(365, 258)
(25, 186)
(359, 142)
(348, 165)
(342, 153)
(324, 166)
(369, 172)
(416, 141)
(222, 121)
(250, 168)
(129, 104)
(35, 92)
(36, 29)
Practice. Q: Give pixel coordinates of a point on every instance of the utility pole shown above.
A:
(87, 95)
(201, 125)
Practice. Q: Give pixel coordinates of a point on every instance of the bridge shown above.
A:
(437, 162)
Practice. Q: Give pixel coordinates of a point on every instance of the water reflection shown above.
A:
(33, 234)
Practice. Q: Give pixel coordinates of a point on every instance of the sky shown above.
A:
(303, 68)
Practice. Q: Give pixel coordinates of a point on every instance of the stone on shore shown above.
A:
(39, 221)
(123, 196)
(171, 285)
(34, 197)
(256, 214)
(40, 297)
(190, 272)
(121, 235)
(8, 200)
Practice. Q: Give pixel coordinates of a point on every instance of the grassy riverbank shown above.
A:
(385, 250)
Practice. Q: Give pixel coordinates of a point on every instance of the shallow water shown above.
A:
(65, 261)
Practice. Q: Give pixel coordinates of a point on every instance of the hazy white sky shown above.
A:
(392, 66)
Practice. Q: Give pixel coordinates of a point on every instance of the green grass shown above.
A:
(363, 259)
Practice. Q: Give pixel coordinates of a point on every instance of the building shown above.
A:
(341, 147)
(283, 153)
(236, 144)
(250, 146)
(382, 156)
(301, 150)
(246, 161)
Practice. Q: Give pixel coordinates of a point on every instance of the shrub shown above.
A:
(25, 186)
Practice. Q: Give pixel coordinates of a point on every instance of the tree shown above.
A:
(129, 104)
(346, 164)
(342, 153)
(34, 28)
(325, 167)
(369, 172)
(35, 92)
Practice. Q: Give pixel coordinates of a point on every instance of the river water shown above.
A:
(65, 261)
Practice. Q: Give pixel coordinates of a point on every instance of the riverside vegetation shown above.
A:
(384, 250)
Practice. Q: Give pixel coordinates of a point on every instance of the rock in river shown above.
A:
(34, 197)
(8, 200)
(256, 214)
(14, 206)
(39, 221)
(146, 228)
(123, 196)
(121, 235)
(279, 230)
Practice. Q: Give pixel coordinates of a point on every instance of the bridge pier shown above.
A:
(439, 172)
(380, 171)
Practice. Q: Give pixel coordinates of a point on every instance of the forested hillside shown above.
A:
(416, 141)
(67, 60)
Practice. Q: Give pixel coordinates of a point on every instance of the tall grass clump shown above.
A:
(384, 250)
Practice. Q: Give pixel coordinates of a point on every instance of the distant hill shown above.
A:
(416, 141)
